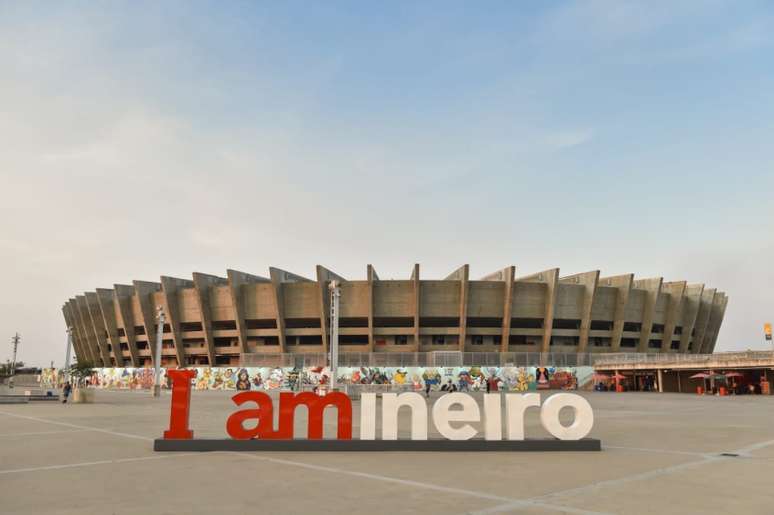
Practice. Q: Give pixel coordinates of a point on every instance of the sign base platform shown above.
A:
(475, 445)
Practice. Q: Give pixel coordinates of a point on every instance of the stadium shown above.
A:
(249, 320)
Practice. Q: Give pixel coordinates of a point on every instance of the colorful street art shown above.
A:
(465, 379)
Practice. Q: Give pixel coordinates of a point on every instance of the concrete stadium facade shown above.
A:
(215, 320)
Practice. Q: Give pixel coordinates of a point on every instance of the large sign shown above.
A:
(452, 416)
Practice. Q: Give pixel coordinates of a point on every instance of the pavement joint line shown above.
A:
(67, 424)
(534, 503)
(86, 464)
(745, 451)
(661, 451)
(35, 433)
(662, 471)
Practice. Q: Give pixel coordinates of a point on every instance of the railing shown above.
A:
(726, 357)
(490, 359)
(483, 359)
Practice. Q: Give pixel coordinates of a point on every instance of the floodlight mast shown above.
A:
(157, 353)
(67, 354)
(15, 339)
(335, 291)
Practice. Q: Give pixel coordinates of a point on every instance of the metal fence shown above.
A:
(641, 358)
(487, 359)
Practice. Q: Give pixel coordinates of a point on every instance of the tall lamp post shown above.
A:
(334, 350)
(15, 339)
(157, 354)
(67, 354)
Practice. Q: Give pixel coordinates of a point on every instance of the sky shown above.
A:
(140, 139)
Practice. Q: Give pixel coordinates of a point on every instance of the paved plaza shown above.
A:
(662, 453)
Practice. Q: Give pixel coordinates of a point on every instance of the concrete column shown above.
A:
(88, 334)
(417, 304)
(676, 291)
(652, 289)
(507, 276)
(108, 310)
(122, 297)
(623, 285)
(170, 286)
(719, 323)
(660, 382)
(144, 291)
(324, 277)
(371, 276)
(278, 278)
(82, 337)
(589, 281)
(510, 276)
(550, 278)
(93, 319)
(235, 282)
(691, 301)
(705, 307)
(713, 325)
(202, 283)
(462, 274)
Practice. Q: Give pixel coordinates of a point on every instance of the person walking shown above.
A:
(488, 386)
(66, 391)
(427, 388)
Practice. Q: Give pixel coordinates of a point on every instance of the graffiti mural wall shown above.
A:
(512, 379)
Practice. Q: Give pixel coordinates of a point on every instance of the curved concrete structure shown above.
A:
(214, 320)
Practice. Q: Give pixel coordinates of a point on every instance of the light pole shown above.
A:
(15, 339)
(67, 354)
(334, 350)
(157, 354)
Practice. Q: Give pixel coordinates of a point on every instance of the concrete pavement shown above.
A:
(662, 454)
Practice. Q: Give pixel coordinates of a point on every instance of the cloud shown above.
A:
(561, 140)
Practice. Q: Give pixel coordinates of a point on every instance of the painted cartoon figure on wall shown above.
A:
(523, 380)
(564, 380)
(243, 380)
(416, 382)
(257, 380)
(217, 380)
(229, 380)
(542, 378)
(399, 378)
(291, 379)
(276, 379)
(431, 377)
(315, 376)
(464, 380)
(203, 379)
(146, 378)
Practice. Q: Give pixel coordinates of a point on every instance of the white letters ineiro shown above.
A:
(443, 415)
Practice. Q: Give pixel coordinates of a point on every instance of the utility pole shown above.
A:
(157, 354)
(67, 354)
(334, 350)
(16, 338)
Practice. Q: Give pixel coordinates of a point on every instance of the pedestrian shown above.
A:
(488, 386)
(66, 391)
(427, 388)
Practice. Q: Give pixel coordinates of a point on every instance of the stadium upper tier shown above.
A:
(214, 320)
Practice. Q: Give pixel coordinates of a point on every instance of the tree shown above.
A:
(80, 370)
(5, 368)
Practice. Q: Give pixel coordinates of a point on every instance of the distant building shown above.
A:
(215, 320)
